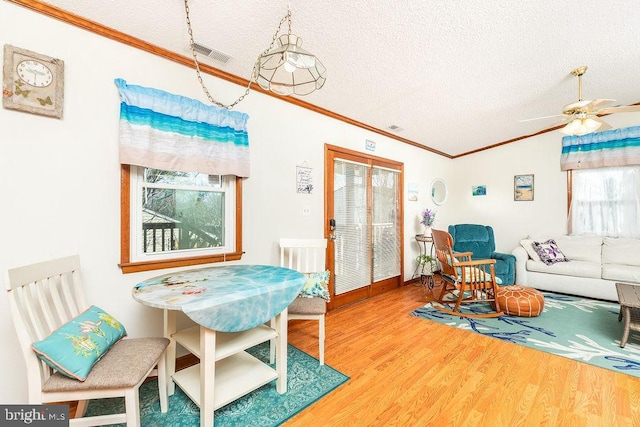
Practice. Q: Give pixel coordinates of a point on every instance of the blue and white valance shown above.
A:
(616, 147)
(171, 132)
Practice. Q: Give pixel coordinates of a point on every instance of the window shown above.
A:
(606, 201)
(172, 219)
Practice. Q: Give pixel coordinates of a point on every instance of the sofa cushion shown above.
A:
(549, 252)
(527, 244)
(573, 268)
(581, 248)
(621, 273)
(621, 251)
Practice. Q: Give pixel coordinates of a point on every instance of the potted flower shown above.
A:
(427, 263)
(428, 218)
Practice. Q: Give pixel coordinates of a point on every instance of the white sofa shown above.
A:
(596, 264)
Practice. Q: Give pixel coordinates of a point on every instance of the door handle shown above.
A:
(332, 229)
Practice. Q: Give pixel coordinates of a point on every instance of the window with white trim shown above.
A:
(181, 213)
(606, 201)
(178, 218)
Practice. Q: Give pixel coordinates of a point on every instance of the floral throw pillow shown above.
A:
(317, 285)
(76, 346)
(549, 252)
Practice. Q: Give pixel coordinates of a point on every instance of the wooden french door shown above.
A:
(363, 217)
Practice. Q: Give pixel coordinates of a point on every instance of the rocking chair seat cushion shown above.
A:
(76, 346)
(475, 272)
(109, 372)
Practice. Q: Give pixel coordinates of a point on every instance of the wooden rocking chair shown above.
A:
(474, 280)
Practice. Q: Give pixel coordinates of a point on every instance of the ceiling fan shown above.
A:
(582, 116)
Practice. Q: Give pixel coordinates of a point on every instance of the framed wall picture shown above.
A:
(478, 190)
(523, 187)
(32, 82)
(304, 179)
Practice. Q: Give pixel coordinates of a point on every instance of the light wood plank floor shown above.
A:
(407, 371)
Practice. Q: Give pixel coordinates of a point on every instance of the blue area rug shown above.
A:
(307, 382)
(577, 328)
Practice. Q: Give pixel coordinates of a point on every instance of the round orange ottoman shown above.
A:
(519, 300)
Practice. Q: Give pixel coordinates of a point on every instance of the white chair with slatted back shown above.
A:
(306, 256)
(47, 295)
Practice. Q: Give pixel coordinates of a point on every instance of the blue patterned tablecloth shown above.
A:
(228, 298)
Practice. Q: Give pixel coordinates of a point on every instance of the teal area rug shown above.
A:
(307, 382)
(573, 327)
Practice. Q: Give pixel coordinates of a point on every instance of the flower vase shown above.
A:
(427, 231)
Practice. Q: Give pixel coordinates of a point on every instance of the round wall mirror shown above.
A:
(438, 191)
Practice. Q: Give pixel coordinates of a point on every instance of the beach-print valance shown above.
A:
(171, 132)
(616, 147)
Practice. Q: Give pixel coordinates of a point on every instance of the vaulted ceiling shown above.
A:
(455, 76)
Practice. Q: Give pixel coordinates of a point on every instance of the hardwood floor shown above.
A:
(407, 371)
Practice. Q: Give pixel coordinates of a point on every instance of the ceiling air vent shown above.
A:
(211, 53)
(395, 128)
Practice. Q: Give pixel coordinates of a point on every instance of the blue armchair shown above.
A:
(479, 239)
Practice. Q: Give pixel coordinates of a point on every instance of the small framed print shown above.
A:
(32, 82)
(523, 187)
(304, 180)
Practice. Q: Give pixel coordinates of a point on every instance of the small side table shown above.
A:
(629, 298)
(426, 277)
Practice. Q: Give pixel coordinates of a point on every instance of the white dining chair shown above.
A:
(47, 297)
(307, 256)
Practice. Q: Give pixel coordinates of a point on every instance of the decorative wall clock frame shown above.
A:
(32, 82)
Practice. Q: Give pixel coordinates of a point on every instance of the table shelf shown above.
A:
(235, 376)
(227, 343)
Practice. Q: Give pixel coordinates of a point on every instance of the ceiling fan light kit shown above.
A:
(286, 70)
(582, 116)
(581, 126)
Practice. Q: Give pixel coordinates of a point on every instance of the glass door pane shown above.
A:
(386, 227)
(353, 241)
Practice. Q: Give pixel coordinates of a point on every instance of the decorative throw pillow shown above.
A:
(76, 346)
(549, 252)
(317, 285)
(527, 244)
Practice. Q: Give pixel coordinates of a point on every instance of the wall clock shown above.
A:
(32, 82)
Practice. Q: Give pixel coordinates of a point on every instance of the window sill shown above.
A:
(135, 267)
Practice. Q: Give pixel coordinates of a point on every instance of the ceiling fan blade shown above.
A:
(603, 125)
(562, 122)
(596, 103)
(540, 118)
(621, 109)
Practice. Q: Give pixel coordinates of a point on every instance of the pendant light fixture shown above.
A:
(287, 69)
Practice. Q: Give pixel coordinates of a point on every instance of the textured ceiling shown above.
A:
(455, 76)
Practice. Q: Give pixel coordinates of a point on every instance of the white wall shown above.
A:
(60, 179)
(495, 168)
